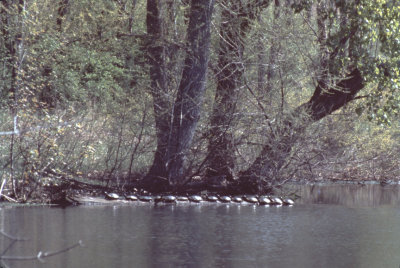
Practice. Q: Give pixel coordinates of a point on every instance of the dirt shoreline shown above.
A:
(77, 193)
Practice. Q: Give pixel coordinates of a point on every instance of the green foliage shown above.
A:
(373, 32)
(299, 6)
(380, 29)
(348, 148)
(83, 98)
(78, 86)
(88, 76)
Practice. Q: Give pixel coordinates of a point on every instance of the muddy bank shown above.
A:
(70, 192)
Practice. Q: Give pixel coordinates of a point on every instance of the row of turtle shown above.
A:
(260, 200)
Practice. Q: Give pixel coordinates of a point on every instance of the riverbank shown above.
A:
(84, 193)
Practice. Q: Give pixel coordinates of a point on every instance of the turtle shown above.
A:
(131, 197)
(111, 196)
(276, 201)
(224, 199)
(212, 198)
(251, 199)
(145, 198)
(288, 202)
(237, 199)
(157, 198)
(264, 200)
(182, 198)
(169, 199)
(195, 198)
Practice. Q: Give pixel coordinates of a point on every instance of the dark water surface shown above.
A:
(331, 226)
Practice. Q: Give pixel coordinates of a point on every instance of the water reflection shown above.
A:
(330, 227)
(369, 195)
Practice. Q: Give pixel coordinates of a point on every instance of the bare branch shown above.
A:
(12, 237)
(40, 256)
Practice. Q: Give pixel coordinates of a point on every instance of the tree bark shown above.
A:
(327, 98)
(174, 140)
(191, 89)
(273, 53)
(12, 37)
(160, 93)
(260, 175)
(235, 24)
(61, 13)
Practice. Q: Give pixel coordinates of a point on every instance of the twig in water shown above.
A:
(40, 256)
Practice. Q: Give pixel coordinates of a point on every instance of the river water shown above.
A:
(330, 226)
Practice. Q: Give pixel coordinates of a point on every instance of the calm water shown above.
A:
(332, 226)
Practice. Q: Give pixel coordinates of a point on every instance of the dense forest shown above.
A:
(240, 96)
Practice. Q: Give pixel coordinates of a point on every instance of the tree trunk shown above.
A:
(191, 89)
(11, 33)
(61, 13)
(327, 98)
(235, 24)
(173, 141)
(260, 175)
(322, 77)
(273, 53)
(160, 93)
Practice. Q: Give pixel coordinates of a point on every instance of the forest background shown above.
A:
(178, 95)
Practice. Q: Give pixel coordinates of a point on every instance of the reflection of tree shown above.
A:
(351, 194)
(40, 256)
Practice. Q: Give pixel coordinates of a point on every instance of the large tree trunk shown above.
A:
(236, 17)
(260, 175)
(160, 93)
(173, 141)
(191, 89)
(327, 98)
